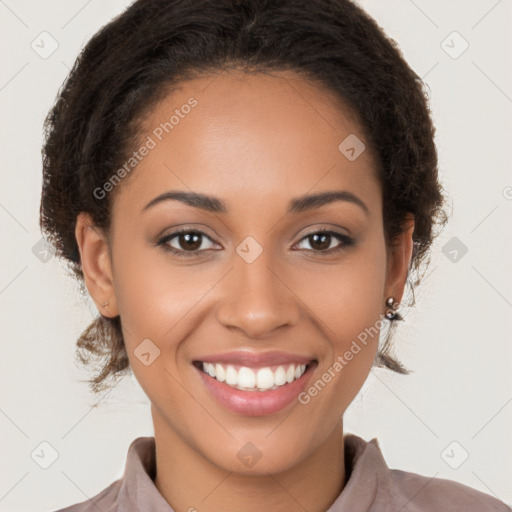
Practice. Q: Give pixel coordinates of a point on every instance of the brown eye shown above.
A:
(326, 241)
(320, 241)
(190, 241)
(186, 241)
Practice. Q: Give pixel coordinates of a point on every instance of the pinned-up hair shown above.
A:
(136, 59)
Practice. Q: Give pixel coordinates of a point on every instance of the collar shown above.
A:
(367, 478)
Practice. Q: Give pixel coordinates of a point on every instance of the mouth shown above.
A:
(255, 385)
(260, 379)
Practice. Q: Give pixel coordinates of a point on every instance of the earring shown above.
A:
(104, 304)
(391, 313)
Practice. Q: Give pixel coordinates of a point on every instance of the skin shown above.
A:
(255, 142)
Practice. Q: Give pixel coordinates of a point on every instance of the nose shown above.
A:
(255, 298)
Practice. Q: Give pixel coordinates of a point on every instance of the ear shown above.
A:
(399, 259)
(96, 264)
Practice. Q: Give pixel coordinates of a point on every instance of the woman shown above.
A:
(245, 188)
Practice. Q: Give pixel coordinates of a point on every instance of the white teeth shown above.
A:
(248, 379)
(264, 378)
(220, 374)
(280, 376)
(231, 376)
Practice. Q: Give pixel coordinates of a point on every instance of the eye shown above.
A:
(186, 241)
(326, 241)
(191, 242)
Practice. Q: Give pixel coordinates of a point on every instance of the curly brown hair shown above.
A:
(133, 61)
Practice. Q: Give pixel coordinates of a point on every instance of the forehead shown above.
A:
(250, 137)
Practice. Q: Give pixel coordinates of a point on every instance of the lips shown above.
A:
(255, 359)
(255, 383)
(249, 371)
(254, 379)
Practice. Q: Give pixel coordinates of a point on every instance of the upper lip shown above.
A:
(254, 359)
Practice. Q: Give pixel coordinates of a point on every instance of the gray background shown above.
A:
(458, 401)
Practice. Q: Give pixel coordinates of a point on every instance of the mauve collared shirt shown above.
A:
(371, 486)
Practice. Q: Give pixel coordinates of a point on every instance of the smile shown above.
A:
(254, 379)
(254, 384)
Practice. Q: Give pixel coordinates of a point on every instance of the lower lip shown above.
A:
(256, 403)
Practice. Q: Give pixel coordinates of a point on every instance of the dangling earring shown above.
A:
(391, 313)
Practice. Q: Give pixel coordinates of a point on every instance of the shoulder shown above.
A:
(134, 489)
(106, 501)
(377, 487)
(419, 493)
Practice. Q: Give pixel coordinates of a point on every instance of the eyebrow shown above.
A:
(297, 205)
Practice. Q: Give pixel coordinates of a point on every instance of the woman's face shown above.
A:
(282, 267)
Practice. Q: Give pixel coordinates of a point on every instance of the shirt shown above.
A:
(370, 486)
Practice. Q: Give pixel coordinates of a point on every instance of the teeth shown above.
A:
(280, 376)
(247, 379)
(231, 376)
(220, 373)
(265, 378)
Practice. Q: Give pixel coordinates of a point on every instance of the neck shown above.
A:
(189, 482)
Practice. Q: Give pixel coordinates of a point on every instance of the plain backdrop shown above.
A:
(451, 418)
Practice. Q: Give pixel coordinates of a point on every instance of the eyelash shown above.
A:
(345, 240)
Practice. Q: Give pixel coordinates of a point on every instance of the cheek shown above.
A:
(347, 297)
(154, 295)
(348, 302)
(158, 301)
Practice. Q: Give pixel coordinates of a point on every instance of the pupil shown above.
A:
(322, 241)
(190, 241)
